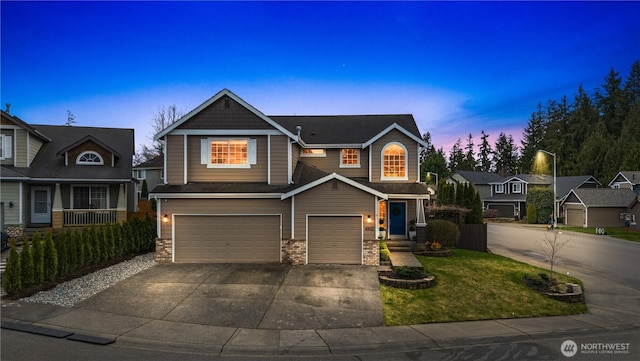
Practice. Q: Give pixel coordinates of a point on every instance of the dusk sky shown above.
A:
(458, 67)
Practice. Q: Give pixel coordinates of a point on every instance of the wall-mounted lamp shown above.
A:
(369, 218)
(165, 219)
(10, 204)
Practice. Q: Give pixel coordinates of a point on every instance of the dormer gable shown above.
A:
(89, 151)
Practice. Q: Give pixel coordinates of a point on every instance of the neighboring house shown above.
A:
(626, 180)
(241, 186)
(634, 214)
(602, 207)
(152, 171)
(508, 195)
(60, 176)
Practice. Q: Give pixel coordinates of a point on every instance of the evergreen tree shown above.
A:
(532, 139)
(469, 160)
(485, 153)
(50, 258)
(38, 258)
(611, 103)
(475, 216)
(26, 263)
(505, 156)
(11, 278)
(632, 85)
(629, 141)
(434, 163)
(456, 157)
(145, 190)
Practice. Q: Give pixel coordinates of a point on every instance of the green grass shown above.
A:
(621, 233)
(473, 286)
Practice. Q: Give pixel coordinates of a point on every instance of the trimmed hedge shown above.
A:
(71, 249)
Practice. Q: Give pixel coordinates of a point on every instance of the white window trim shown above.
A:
(251, 153)
(499, 188)
(406, 160)
(357, 165)
(7, 148)
(89, 163)
(307, 155)
(516, 187)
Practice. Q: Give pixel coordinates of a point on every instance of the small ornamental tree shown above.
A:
(145, 189)
(26, 264)
(11, 278)
(551, 245)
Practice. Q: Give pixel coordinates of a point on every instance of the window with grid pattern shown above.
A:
(350, 157)
(229, 152)
(394, 162)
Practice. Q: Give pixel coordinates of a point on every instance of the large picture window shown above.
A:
(350, 158)
(90, 197)
(394, 162)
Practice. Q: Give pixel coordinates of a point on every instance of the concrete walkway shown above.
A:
(406, 259)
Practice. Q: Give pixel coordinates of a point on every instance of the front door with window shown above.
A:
(40, 205)
(397, 220)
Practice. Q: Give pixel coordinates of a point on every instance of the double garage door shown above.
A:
(256, 239)
(227, 239)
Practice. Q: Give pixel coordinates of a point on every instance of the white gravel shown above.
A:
(71, 292)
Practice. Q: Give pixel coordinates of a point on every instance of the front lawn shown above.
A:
(622, 233)
(473, 286)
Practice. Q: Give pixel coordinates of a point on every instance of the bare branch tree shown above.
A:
(164, 117)
(551, 245)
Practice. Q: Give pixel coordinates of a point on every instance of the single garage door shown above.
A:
(335, 239)
(227, 239)
(575, 217)
(505, 210)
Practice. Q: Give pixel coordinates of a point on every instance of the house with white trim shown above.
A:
(241, 186)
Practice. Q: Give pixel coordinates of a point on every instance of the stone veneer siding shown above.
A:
(371, 252)
(164, 253)
(294, 251)
(14, 230)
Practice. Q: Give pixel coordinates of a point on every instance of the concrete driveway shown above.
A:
(261, 296)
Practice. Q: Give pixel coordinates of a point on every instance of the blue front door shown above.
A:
(397, 219)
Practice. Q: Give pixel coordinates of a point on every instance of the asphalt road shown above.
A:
(609, 267)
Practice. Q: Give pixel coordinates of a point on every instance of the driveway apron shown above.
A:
(262, 296)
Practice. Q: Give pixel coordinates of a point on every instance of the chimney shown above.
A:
(7, 108)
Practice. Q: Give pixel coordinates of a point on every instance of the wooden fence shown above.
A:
(473, 237)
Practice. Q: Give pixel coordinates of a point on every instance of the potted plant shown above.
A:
(412, 229)
(383, 233)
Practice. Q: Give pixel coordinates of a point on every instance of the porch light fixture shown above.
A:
(369, 218)
(165, 219)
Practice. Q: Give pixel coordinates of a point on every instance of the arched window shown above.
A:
(89, 158)
(394, 161)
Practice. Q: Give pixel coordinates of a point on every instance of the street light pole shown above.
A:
(555, 208)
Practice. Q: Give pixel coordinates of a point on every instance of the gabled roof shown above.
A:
(566, 184)
(536, 179)
(603, 197)
(631, 177)
(354, 130)
(21, 123)
(213, 99)
(86, 139)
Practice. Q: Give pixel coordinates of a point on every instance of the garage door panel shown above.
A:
(227, 239)
(335, 239)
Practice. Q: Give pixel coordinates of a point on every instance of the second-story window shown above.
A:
(394, 162)
(5, 146)
(228, 153)
(350, 158)
(313, 152)
(499, 188)
(89, 158)
(516, 187)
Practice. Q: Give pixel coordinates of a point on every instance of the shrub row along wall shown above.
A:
(56, 256)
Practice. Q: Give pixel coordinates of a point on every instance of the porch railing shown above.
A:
(87, 217)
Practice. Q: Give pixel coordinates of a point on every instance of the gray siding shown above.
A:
(605, 217)
(10, 192)
(20, 147)
(217, 116)
(323, 199)
(279, 159)
(226, 206)
(34, 147)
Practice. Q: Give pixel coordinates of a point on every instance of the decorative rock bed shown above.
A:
(575, 294)
(433, 253)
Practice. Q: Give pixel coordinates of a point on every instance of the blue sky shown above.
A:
(458, 67)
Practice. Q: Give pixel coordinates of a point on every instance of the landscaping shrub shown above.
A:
(409, 273)
(442, 231)
(11, 278)
(60, 241)
(385, 254)
(542, 198)
(38, 258)
(27, 277)
(475, 216)
(532, 214)
(50, 258)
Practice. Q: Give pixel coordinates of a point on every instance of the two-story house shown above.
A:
(626, 180)
(241, 186)
(151, 171)
(59, 176)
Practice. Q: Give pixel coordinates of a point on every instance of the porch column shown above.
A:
(421, 222)
(57, 212)
(121, 208)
